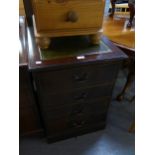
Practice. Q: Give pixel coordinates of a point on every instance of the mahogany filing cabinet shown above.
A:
(73, 83)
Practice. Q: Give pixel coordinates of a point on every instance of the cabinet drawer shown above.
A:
(76, 117)
(68, 14)
(63, 126)
(76, 96)
(87, 109)
(71, 79)
(72, 132)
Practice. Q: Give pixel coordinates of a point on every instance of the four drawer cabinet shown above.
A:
(75, 99)
(73, 94)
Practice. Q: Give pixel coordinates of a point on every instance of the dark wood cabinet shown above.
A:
(73, 94)
(29, 121)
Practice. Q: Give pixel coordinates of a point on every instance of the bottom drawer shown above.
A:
(61, 126)
(77, 117)
(72, 132)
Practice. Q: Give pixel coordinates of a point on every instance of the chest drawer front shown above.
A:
(71, 79)
(76, 96)
(85, 109)
(68, 14)
(75, 117)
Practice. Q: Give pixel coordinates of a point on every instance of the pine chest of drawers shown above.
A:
(74, 90)
(54, 18)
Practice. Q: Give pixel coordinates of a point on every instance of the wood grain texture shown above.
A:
(21, 8)
(64, 32)
(53, 16)
(115, 29)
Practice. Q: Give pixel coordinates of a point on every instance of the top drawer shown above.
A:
(80, 77)
(68, 14)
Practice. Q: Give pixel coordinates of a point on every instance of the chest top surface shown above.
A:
(66, 51)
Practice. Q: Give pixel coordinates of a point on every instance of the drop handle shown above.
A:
(72, 16)
(78, 112)
(81, 96)
(78, 124)
(81, 78)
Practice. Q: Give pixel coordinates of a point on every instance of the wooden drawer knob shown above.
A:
(72, 16)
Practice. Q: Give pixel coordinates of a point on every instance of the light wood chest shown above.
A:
(54, 18)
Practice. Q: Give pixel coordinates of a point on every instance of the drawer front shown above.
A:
(86, 110)
(68, 14)
(71, 79)
(75, 117)
(76, 96)
(72, 132)
(63, 126)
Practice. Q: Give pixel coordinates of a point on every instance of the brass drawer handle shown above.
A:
(81, 78)
(78, 112)
(78, 124)
(81, 96)
(72, 16)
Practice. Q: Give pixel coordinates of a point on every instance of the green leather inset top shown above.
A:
(72, 46)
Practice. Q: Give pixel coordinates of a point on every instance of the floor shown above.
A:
(114, 140)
